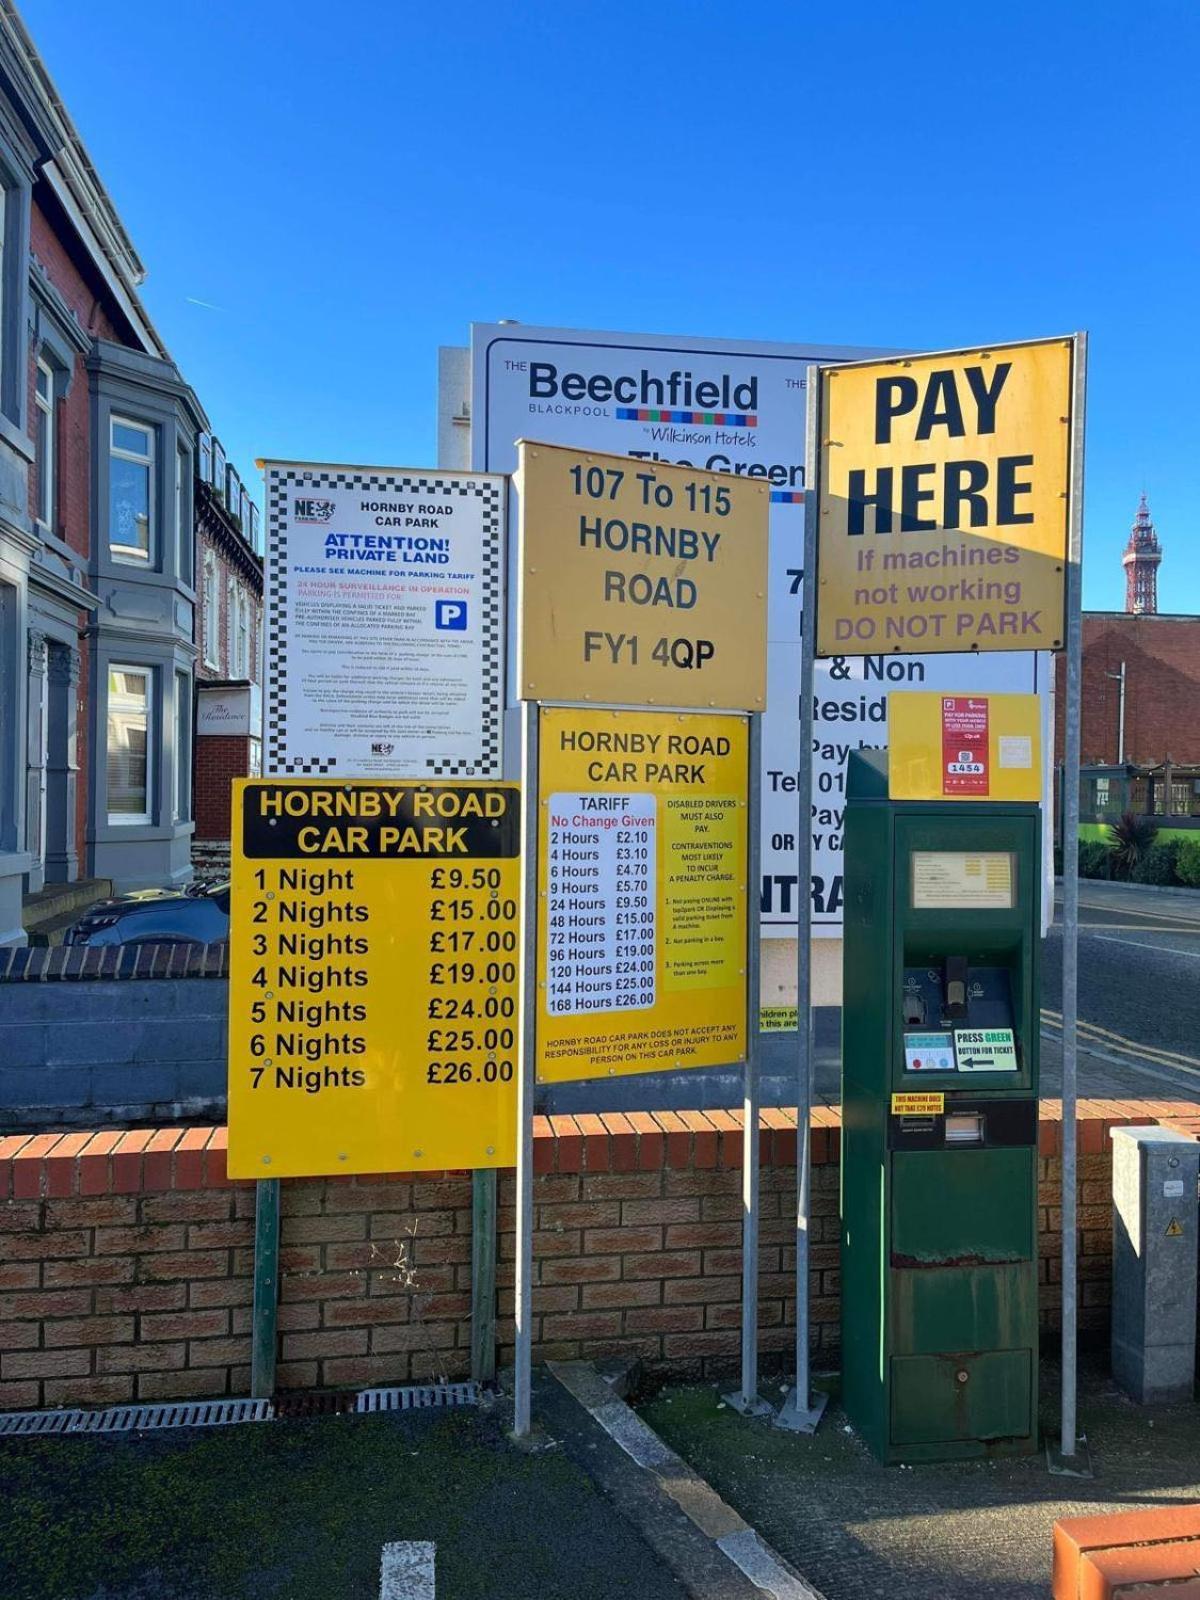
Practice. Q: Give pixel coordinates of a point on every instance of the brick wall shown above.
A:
(209, 551)
(220, 758)
(125, 1258)
(72, 510)
(1162, 688)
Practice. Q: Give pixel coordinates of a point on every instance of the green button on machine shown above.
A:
(939, 1108)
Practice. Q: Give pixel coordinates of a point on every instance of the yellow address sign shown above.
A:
(373, 977)
(640, 583)
(943, 505)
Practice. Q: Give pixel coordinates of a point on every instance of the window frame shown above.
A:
(212, 611)
(5, 188)
(185, 535)
(46, 451)
(181, 806)
(131, 819)
(116, 420)
(239, 631)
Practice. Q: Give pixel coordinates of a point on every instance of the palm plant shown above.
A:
(1129, 839)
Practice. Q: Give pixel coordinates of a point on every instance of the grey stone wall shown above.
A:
(94, 1053)
(87, 1041)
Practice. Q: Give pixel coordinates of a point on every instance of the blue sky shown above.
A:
(351, 186)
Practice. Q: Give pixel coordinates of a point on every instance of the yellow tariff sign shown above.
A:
(642, 900)
(373, 976)
(641, 583)
(944, 501)
(964, 746)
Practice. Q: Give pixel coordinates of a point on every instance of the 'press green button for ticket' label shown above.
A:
(985, 1049)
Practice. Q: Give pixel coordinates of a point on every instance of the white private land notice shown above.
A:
(385, 622)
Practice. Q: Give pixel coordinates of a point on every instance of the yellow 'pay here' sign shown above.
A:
(640, 583)
(944, 484)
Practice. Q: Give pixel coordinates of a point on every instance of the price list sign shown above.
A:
(602, 927)
(373, 977)
(642, 892)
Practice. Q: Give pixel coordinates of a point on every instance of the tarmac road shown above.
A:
(1139, 1018)
(1139, 992)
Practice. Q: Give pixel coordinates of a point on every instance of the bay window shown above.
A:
(129, 751)
(131, 492)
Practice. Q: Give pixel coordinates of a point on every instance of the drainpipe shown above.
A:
(1120, 679)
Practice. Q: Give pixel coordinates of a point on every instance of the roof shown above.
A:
(1145, 616)
(72, 176)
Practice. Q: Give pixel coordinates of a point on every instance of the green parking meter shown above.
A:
(939, 1119)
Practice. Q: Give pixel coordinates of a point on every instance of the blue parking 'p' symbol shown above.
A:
(450, 614)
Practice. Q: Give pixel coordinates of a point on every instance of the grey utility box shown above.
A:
(1154, 1263)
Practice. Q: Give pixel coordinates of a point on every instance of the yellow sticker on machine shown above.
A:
(918, 1105)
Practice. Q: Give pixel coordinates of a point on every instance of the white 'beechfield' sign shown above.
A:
(385, 621)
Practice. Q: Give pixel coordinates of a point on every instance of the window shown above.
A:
(183, 746)
(239, 631)
(183, 506)
(44, 396)
(212, 613)
(130, 492)
(10, 677)
(3, 250)
(130, 693)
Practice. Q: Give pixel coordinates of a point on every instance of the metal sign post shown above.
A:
(265, 1317)
(656, 968)
(527, 1069)
(802, 1410)
(747, 1399)
(1069, 1461)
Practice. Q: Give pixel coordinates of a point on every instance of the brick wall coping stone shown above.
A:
(35, 1166)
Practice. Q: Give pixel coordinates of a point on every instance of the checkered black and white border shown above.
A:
(482, 761)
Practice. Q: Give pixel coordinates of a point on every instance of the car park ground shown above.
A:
(301, 1510)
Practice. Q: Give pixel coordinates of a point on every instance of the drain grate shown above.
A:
(222, 1413)
(37, 1421)
(130, 1419)
(417, 1396)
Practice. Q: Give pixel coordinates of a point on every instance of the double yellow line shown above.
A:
(1105, 1037)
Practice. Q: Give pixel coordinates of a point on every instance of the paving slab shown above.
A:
(855, 1529)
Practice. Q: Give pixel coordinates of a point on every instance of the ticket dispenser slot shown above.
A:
(954, 989)
(939, 1144)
